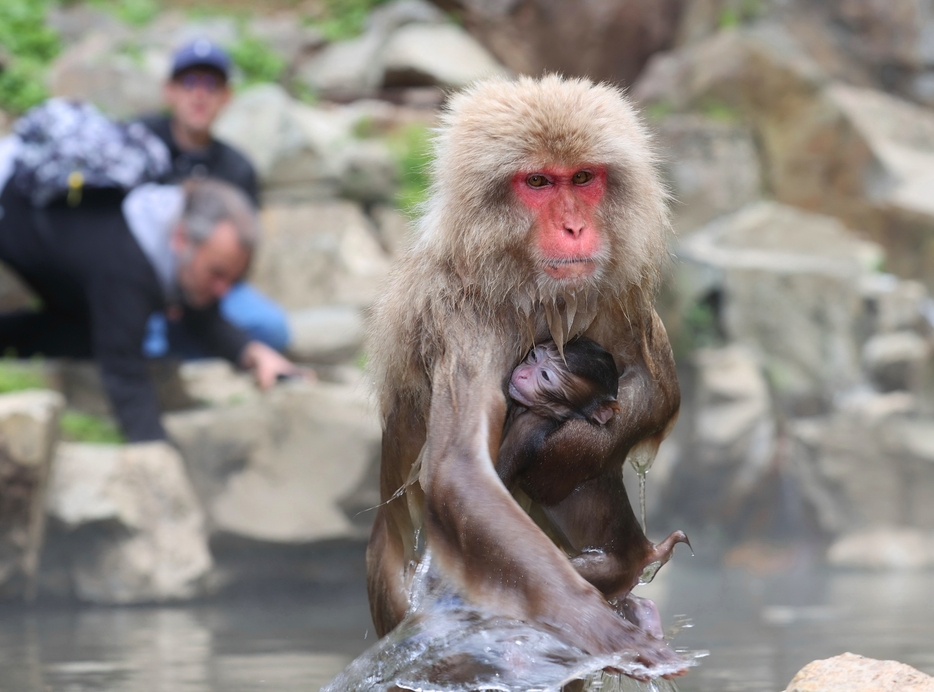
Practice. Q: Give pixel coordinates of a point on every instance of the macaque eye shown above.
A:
(582, 177)
(545, 376)
(536, 180)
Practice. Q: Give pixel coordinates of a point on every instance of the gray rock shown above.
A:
(214, 382)
(896, 304)
(608, 40)
(733, 426)
(435, 55)
(368, 172)
(104, 70)
(790, 287)
(305, 153)
(286, 35)
(851, 673)
(292, 145)
(319, 254)
(28, 435)
(329, 334)
(389, 16)
(851, 152)
(712, 167)
(883, 548)
(897, 360)
(874, 458)
(345, 70)
(395, 231)
(279, 469)
(136, 529)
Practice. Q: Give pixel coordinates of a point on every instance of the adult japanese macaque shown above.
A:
(546, 219)
(550, 388)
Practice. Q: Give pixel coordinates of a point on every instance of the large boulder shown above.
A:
(353, 69)
(883, 548)
(132, 525)
(281, 468)
(852, 152)
(711, 165)
(606, 41)
(104, 69)
(732, 439)
(301, 152)
(28, 435)
(852, 673)
(788, 284)
(320, 254)
(868, 466)
(328, 334)
(435, 55)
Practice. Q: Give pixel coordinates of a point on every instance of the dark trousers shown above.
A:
(62, 325)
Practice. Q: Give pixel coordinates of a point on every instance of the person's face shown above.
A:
(196, 96)
(207, 271)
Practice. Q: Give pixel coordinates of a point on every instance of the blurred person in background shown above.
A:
(101, 270)
(195, 94)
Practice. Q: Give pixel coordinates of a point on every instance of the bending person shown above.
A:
(195, 93)
(102, 270)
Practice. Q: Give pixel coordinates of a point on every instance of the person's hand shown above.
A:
(268, 365)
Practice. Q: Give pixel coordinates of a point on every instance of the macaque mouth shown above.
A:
(518, 396)
(569, 268)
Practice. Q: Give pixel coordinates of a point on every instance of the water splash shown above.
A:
(641, 457)
(447, 645)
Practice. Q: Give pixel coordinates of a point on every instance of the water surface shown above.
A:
(760, 630)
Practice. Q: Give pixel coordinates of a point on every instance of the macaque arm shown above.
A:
(480, 536)
(391, 548)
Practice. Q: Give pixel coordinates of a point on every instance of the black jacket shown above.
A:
(218, 160)
(98, 290)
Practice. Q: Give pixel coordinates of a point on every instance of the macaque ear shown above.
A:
(605, 412)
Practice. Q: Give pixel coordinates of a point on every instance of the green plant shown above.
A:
(30, 46)
(659, 110)
(135, 12)
(15, 376)
(719, 110)
(739, 12)
(85, 427)
(344, 19)
(411, 147)
(257, 60)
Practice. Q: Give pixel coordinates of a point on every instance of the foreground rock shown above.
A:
(28, 434)
(131, 523)
(852, 673)
(282, 468)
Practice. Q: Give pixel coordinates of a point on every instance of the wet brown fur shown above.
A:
(464, 305)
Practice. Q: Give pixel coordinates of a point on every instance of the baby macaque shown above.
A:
(549, 391)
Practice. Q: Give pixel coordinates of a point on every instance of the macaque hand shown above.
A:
(268, 365)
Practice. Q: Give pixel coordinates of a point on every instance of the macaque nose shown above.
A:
(574, 228)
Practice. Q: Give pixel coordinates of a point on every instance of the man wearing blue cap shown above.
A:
(196, 92)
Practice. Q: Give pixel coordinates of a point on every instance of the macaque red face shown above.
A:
(563, 202)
